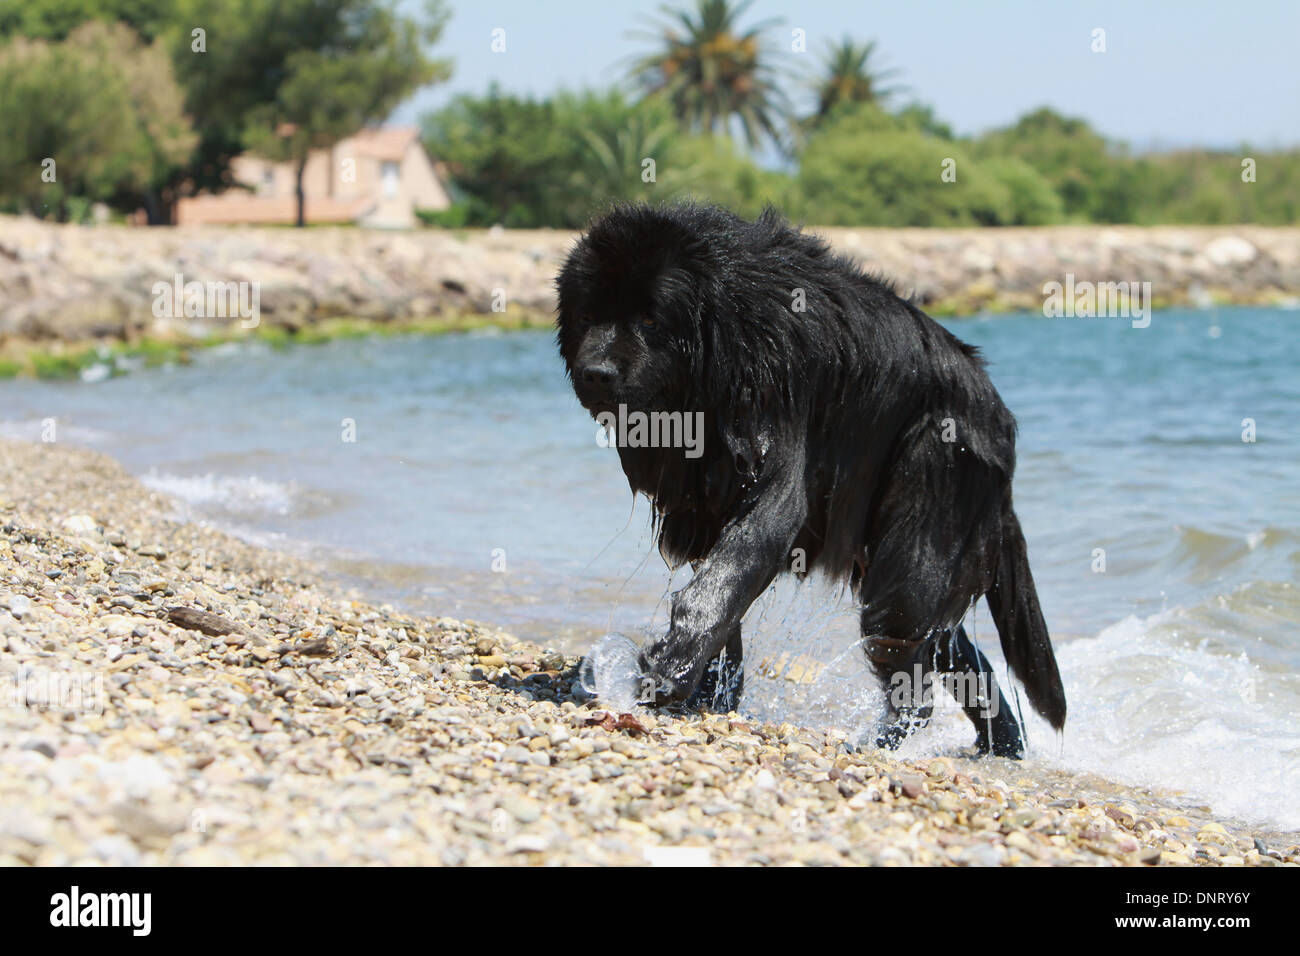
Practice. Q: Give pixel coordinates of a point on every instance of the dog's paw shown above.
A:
(666, 679)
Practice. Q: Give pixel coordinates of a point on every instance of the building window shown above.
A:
(389, 176)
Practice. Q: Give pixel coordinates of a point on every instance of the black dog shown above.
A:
(843, 430)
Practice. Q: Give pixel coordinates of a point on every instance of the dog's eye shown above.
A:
(647, 322)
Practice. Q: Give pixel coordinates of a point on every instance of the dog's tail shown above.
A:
(1025, 642)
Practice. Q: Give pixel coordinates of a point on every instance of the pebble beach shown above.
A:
(172, 695)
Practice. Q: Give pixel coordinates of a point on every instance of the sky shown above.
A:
(1174, 73)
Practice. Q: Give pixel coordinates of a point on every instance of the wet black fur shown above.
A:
(824, 437)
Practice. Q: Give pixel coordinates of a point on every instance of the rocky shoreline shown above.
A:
(77, 284)
(176, 696)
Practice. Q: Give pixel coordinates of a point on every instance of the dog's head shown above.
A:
(630, 300)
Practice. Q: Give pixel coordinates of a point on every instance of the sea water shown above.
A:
(1157, 484)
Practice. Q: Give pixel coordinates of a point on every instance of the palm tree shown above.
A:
(710, 72)
(616, 151)
(850, 76)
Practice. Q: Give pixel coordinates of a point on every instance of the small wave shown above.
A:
(1152, 705)
(1209, 553)
(246, 495)
(1195, 700)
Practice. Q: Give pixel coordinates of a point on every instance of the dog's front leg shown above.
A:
(750, 552)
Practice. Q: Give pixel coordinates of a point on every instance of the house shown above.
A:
(377, 178)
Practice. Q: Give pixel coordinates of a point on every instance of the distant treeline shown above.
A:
(136, 103)
(707, 81)
(527, 162)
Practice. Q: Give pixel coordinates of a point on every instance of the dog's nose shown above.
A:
(601, 373)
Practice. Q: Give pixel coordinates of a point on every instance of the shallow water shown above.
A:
(475, 487)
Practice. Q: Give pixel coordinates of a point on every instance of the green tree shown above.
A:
(94, 117)
(159, 138)
(1084, 169)
(850, 75)
(865, 167)
(1206, 186)
(56, 19)
(712, 169)
(625, 147)
(1031, 200)
(373, 59)
(711, 71)
(503, 153)
(526, 163)
(921, 117)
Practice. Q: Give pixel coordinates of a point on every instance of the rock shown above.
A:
(909, 785)
(1230, 251)
(1017, 840)
(142, 823)
(205, 622)
(117, 625)
(1122, 817)
(522, 809)
(981, 854)
(79, 525)
(1213, 833)
(260, 723)
(528, 843)
(116, 849)
(1024, 817)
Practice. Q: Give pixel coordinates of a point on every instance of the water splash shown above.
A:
(611, 672)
